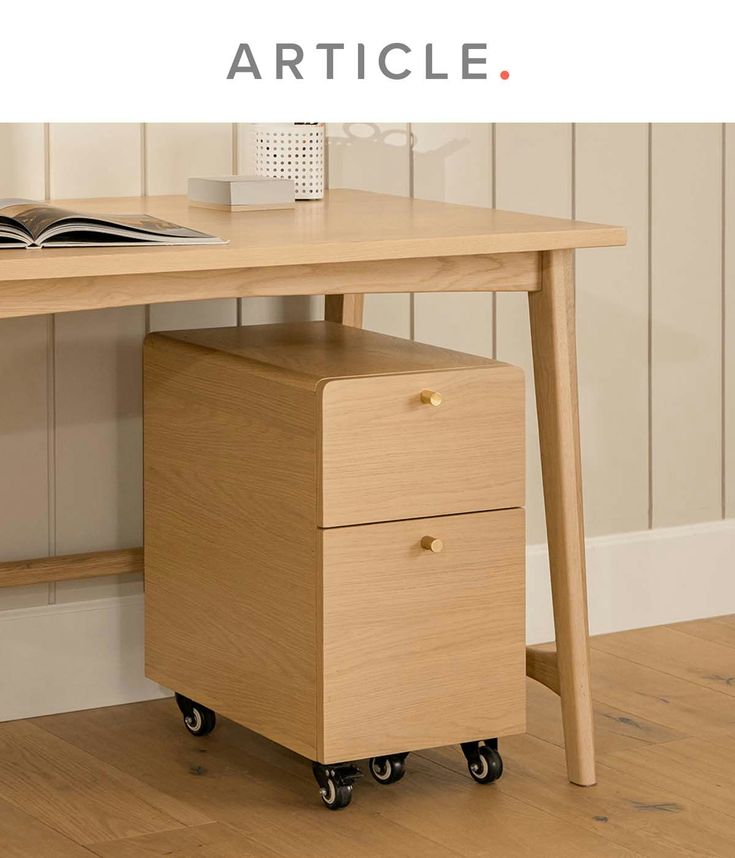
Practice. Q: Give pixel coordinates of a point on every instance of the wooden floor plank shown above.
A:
(213, 840)
(659, 697)
(23, 836)
(269, 793)
(76, 793)
(615, 729)
(647, 819)
(130, 781)
(709, 630)
(698, 770)
(662, 648)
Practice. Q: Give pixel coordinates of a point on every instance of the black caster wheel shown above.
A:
(198, 720)
(483, 761)
(388, 770)
(335, 783)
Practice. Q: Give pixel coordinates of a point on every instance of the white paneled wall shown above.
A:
(611, 184)
(656, 319)
(686, 362)
(375, 158)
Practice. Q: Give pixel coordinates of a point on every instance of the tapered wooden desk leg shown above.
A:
(346, 309)
(555, 371)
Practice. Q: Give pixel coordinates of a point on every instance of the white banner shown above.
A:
(517, 60)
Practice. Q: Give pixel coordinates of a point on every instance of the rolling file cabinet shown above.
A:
(334, 541)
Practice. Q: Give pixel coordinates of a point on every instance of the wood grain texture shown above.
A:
(533, 173)
(555, 372)
(616, 729)
(710, 664)
(230, 492)
(258, 792)
(345, 309)
(453, 163)
(686, 213)
(386, 455)
(611, 181)
(307, 353)
(214, 840)
(670, 701)
(710, 761)
(417, 621)
(513, 272)
(23, 836)
(222, 403)
(710, 630)
(93, 564)
(649, 819)
(346, 226)
(56, 783)
(541, 665)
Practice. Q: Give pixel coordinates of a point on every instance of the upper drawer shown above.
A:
(388, 453)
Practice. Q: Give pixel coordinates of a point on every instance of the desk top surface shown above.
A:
(346, 226)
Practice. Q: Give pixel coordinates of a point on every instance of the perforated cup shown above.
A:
(292, 152)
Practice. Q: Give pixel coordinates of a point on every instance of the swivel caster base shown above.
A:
(388, 770)
(483, 760)
(335, 783)
(198, 720)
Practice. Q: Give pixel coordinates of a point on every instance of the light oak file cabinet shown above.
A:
(334, 543)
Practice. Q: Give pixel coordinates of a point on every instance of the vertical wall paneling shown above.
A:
(264, 310)
(22, 161)
(23, 451)
(374, 157)
(611, 181)
(174, 153)
(97, 384)
(94, 160)
(86, 384)
(533, 173)
(728, 307)
(453, 163)
(686, 242)
(23, 390)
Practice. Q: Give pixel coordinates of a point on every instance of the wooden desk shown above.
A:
(345, 246)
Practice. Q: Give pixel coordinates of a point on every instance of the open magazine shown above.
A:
(25, 223)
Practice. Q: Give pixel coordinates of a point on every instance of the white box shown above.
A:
(241, 193)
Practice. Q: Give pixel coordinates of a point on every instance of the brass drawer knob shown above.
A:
(431, 397)
(432, 544)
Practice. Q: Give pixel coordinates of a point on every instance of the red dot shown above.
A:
(504, 75)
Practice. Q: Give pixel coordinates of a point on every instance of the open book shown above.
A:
(25, 223)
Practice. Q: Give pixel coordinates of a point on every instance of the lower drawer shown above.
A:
(423, 640)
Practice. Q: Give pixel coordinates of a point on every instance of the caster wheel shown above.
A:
(198, 720)
(484, 763)
(388, 770)
(488, 768)
(336, 797)
(335, 783)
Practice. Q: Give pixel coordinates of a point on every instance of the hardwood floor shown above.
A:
(129, 781)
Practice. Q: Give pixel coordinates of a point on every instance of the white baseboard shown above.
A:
(81, 655)
(644, 578)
